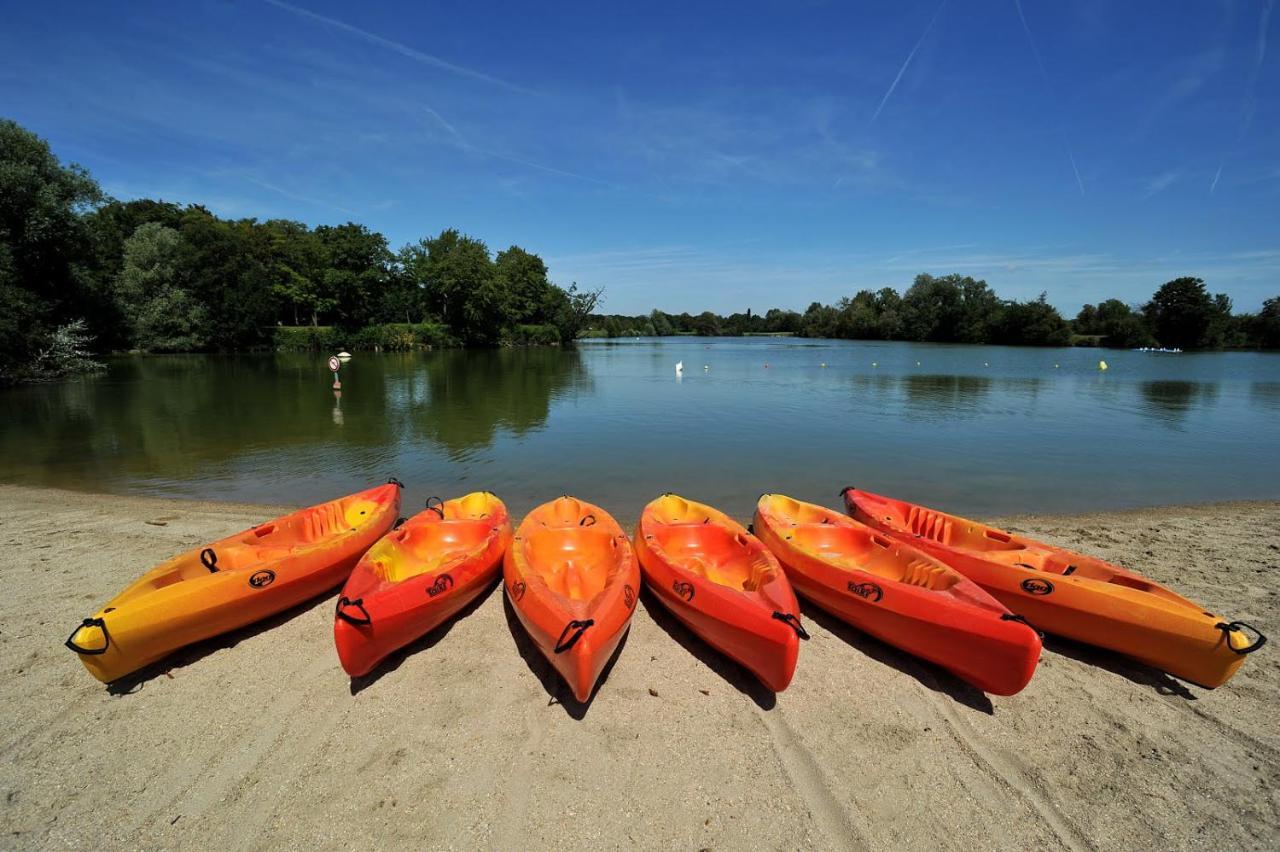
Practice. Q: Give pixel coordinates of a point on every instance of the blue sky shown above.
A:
(689, 157)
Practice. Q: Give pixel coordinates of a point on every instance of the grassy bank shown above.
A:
(395, 337)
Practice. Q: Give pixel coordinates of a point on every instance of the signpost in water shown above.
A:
(334, 364)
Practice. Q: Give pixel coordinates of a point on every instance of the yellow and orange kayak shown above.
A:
(233, 582)
(418, 576)
(572, 579)
(1070, 594)
(723, 584)
(898, 594)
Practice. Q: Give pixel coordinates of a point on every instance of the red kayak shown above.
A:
(723, 584)
(571, 577)
(418, 576)
(898, 594)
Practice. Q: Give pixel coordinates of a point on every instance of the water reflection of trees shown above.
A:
(1171, 399)
(474, 394)
(937, 397)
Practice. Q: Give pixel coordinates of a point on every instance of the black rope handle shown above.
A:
(209, 559)
(438, 508)
(583, 522)
(1226, 628)
(399, 523)
(1009, 616)
(846, 490)
(358, 603)
(391, 480)
(577, 628)
(793, 621)
(90, 652)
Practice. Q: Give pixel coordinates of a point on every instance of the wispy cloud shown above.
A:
(1250, 92)
(907, 63)
(398, 47)
(461, 142)
(1161, 182)
(294, 196)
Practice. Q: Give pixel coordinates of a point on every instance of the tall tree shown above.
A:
(161, 314)
(1182, 314)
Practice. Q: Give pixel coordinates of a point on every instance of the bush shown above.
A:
(66, 352)
(535, 335)
(393, 337)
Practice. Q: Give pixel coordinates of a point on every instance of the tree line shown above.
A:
(82, 273)
(959, 309)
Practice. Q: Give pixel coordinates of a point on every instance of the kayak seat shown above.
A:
(574, 561)
(715, 553)
(931, 525)
(431, 547)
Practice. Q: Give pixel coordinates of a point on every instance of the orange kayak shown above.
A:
(898, 594)
(233, 582)
(572, 579)
(723, 584)
(418, 576)
(1071, 594)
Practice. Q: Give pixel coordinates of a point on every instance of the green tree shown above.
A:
(1035, 323)
(1266, 325)
(1119, 325)
(162, 316)
(356, 264)
(44, 244)
(575, 308)
(524, 278)
(226, 267)
(1182, 314)
(661, 324)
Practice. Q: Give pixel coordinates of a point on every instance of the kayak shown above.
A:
(418, 576)
(233, 582)
(898, 594)
(723, 584)
(1070, 594)
(572, 578)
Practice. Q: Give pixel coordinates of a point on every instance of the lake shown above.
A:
(981, 430)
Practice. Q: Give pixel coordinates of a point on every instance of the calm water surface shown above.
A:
(980, 430)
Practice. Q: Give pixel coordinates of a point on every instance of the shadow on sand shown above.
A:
(546, 673)
(183, 657)
(425, 642)
(927, 674)
(733, 673)
(1118, 664)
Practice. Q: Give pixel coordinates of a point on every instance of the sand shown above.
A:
(259, 739)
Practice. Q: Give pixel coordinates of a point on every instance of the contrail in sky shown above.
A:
(1044, 74)
(402, 49)
(905, 64)
(1246, 117)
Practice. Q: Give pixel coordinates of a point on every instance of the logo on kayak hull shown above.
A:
(517, 590)
(262, 579)
(1036, 586)
(629, 597)
(443, 583)
(683, 590)
(869, 592)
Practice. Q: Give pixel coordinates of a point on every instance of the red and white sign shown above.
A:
(333, 363)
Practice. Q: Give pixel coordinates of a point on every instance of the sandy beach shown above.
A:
(259, 739)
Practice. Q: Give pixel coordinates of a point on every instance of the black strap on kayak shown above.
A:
(846, 489)
(438, 508)
(209, 559)
(585, 518)
(391, 480)
(793, 621)
(358, 603)
(90, 652)
(1241, 626)
(1009, 616)
(571, 634)
(399, 523)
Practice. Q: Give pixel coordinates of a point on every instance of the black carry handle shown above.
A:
(90, 652)
(1240, 625)
(391, 480)
(585, 518)
(438, 508)
(358, 603)
(577, 628)
(1009, 616)
(399, 523)
(847, 489)
(793, 621)
(209, 559)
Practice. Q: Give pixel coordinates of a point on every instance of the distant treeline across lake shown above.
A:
(82, 274)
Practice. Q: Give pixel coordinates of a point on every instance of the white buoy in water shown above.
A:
(1055, 366)
(986, 363)
(917, 363)
(824, 364)
(1102, 365)
(706, 367)
(344, 356)
(875, 363)
(679, 367)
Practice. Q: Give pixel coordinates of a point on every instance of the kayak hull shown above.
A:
(696, 561)
(233, 582)
(571, 577)
(1069, 594)
(899, 595)
(419, 576)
